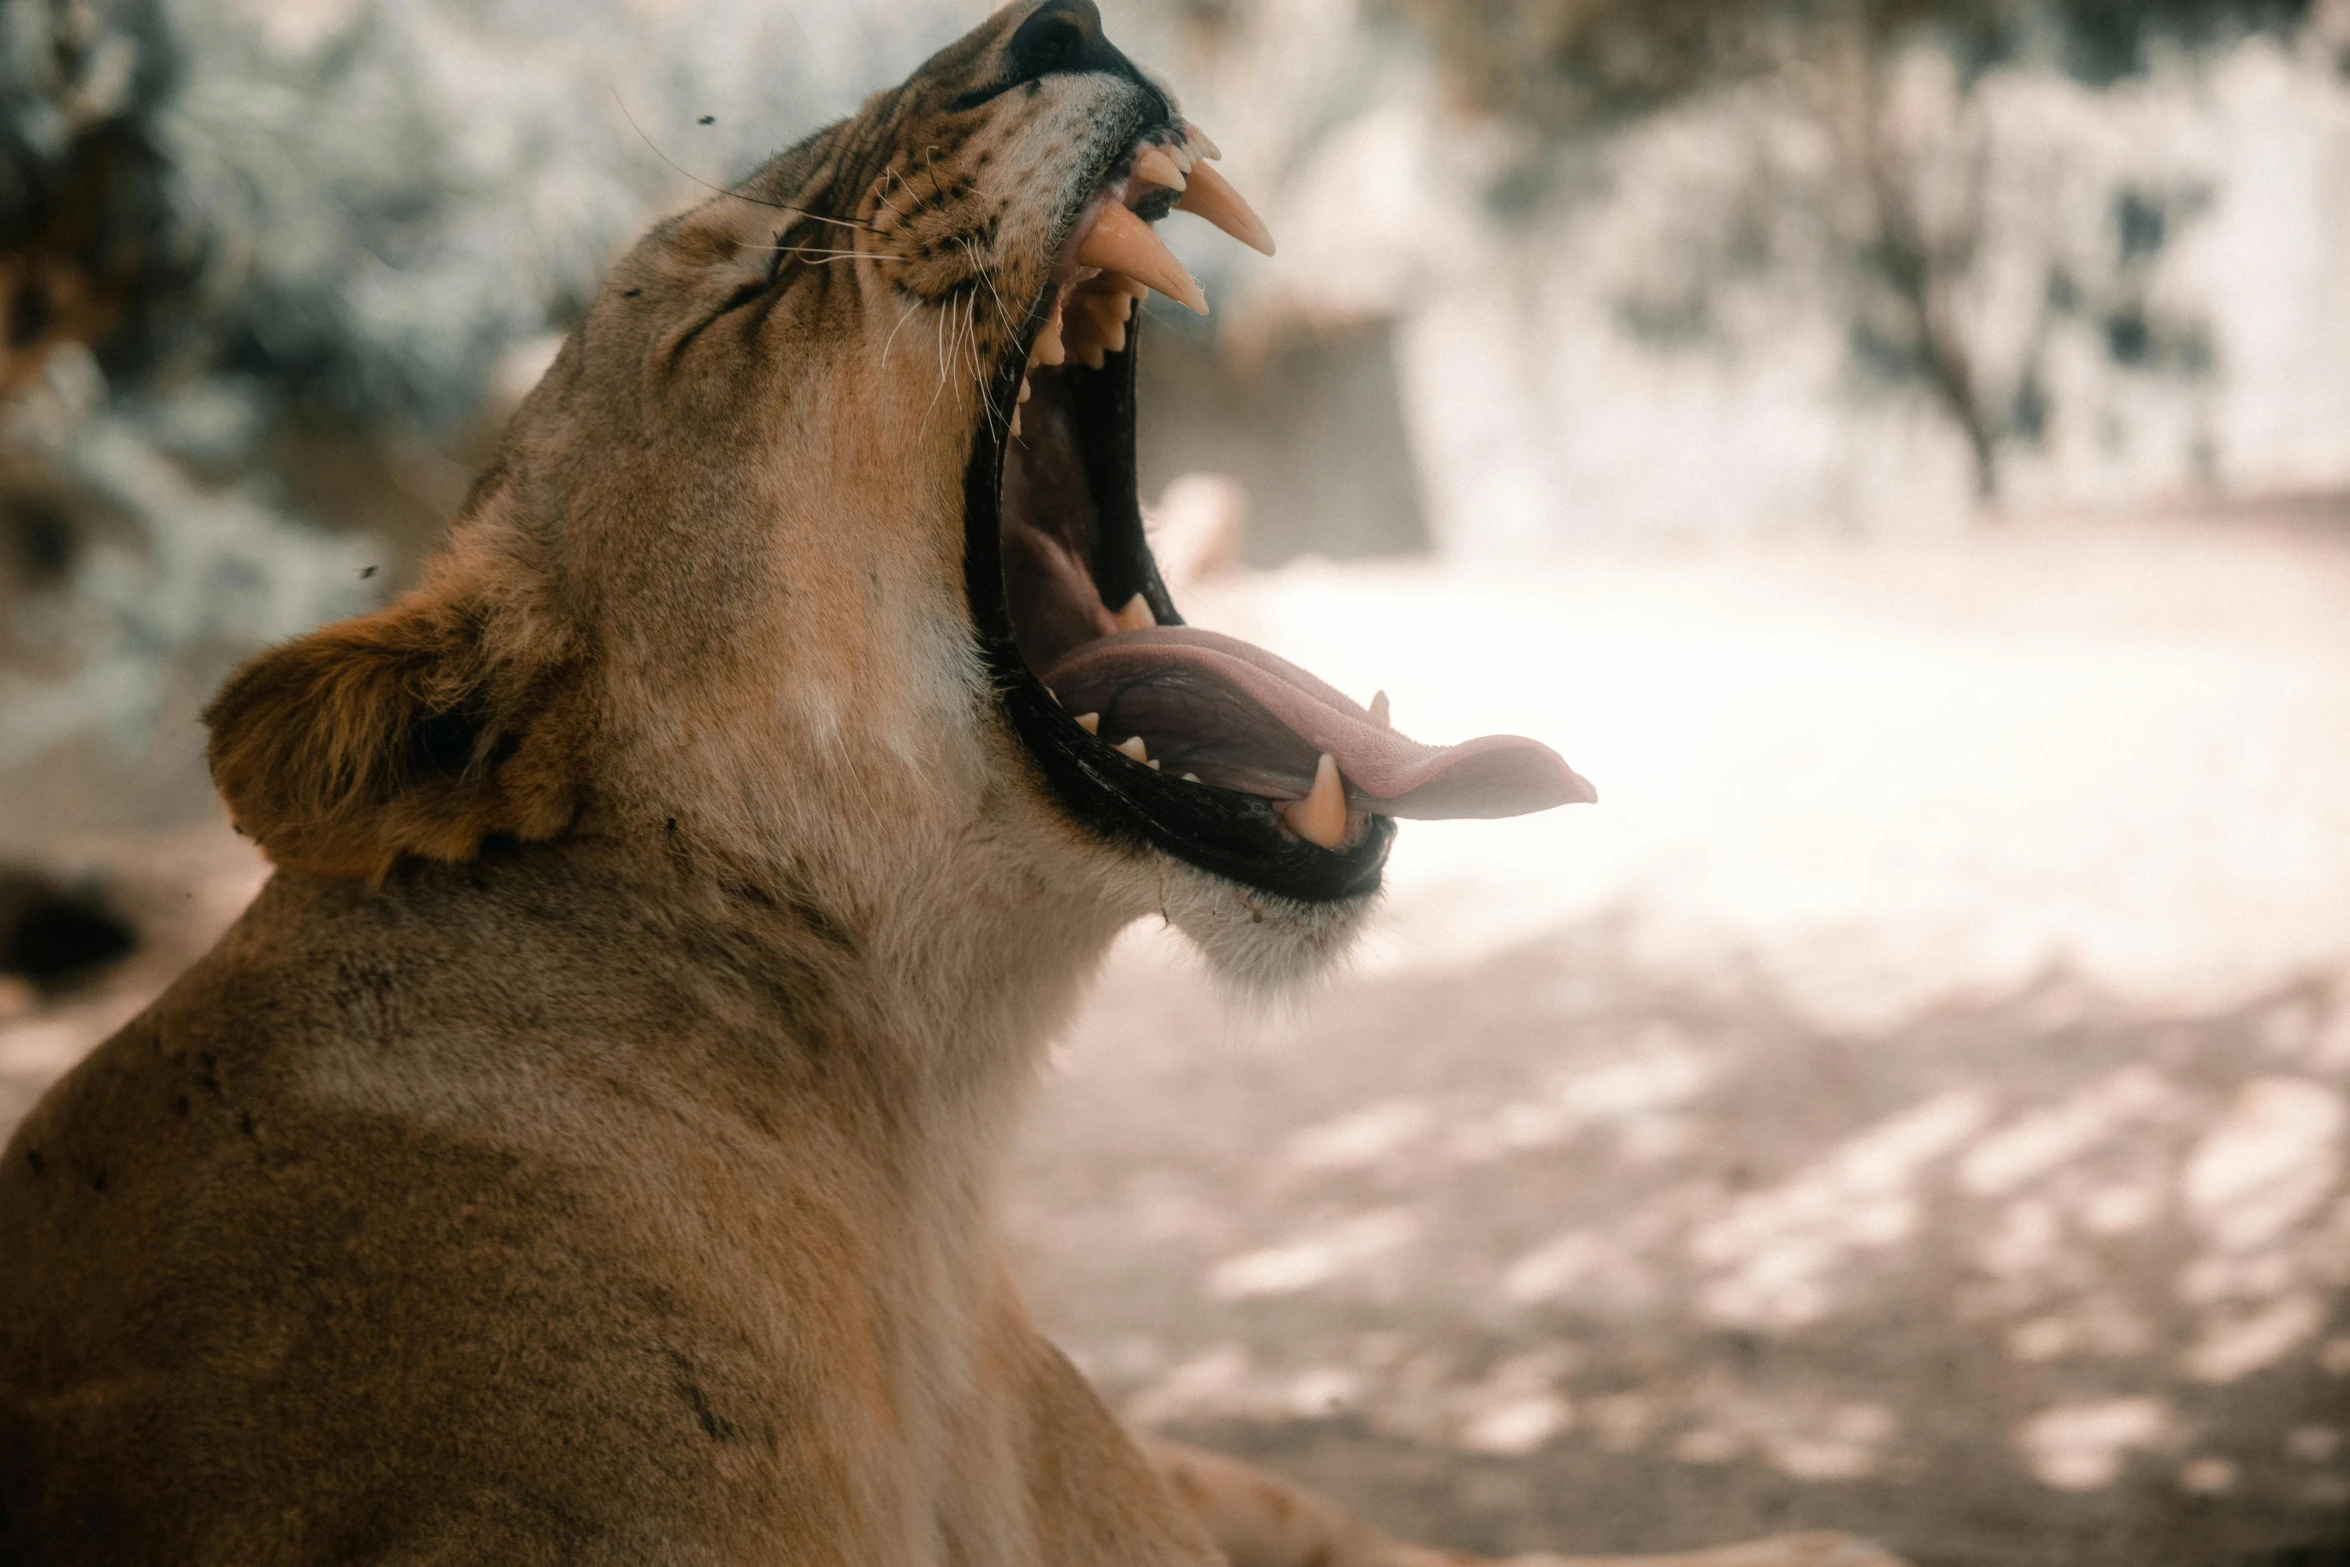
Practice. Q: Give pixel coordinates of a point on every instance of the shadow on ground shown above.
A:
(1549, 1251)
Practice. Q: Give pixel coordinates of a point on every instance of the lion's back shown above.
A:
(289, 1277)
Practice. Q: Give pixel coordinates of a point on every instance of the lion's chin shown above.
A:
(1259, 945)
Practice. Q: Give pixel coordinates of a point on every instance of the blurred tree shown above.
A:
(91, 246)
(264, 266)
(1911, 172)
(1563, 66)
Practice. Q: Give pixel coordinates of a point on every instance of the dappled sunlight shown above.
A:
(2110, 1201)
(2079, 1447)
(1921, 1076)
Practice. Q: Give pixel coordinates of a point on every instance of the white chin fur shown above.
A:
(1259, 944)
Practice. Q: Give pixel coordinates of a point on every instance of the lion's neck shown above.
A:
(933, 994)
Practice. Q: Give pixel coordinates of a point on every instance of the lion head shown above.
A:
(816, 556)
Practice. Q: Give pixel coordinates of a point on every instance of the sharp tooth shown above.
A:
(1137, 616)
(1132, 746)
(1026, 391)
(1321, 816)
(1015, 424)
(1200, 139)
(1191, 778)
(1153, 164)
(1055, 695)
(1211, 196)
(1379, 710)
(1048, 349)
(1151, 762)
(1122, 242)
(1080, 335)
(1109, 322)
(1091, 723)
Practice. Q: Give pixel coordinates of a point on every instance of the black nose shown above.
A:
(1064, 36)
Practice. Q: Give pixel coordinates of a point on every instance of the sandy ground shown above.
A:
(1912, 1100)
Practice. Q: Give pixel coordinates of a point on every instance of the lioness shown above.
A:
(582, 1150)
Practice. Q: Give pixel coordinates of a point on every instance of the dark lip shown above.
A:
(1237, 836)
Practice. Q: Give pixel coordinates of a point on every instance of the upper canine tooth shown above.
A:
(1132, 746)
(1026, 391)
(1379, 710)
(1201, 140)
(1122, 242)
(1321, 816)
(1136, 616)
(1211, 196)
(1153, 164)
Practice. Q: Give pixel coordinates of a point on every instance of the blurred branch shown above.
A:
(1563, 67)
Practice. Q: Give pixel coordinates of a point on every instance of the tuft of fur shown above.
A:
(1259, 946)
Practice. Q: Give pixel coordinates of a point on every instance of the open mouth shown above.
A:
(1213, 749)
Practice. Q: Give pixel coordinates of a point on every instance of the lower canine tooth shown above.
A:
(1320, 818)
(1136, 616)
(1091, 723)
(1132, 746)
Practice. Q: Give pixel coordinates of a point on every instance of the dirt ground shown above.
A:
(1915, 1100)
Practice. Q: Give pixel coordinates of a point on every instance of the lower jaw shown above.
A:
(1238, 837)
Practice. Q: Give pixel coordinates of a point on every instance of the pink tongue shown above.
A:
(1243, 719)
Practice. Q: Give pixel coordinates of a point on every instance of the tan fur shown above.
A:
(583, 1149)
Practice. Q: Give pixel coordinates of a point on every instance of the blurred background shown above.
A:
(1899, 449)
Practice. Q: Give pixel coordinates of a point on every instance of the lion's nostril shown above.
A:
(1065, 35)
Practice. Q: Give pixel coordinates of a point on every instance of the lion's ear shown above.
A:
(395, 733)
